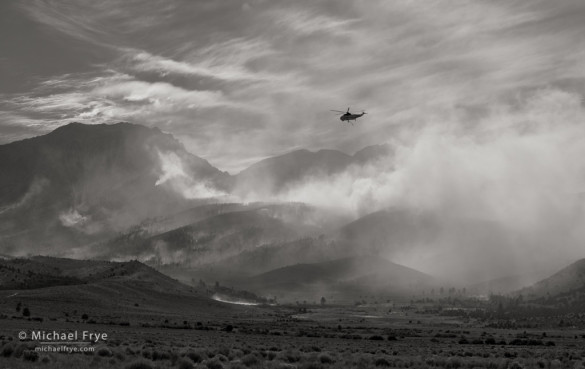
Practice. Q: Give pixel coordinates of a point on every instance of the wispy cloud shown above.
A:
(305, 22)
(224, 61)
(110, 97)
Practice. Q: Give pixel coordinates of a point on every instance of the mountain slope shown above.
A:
(212, 233)
(276, 174)
(568, 279)
(82, 182)
(346, 278)
(43, 271)
(106, 291)
(389, 230)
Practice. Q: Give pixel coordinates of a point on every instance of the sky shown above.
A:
(238, 81)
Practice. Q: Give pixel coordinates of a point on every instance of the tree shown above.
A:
(84, 317)
(25, 312)
(323, 301)
(18, 306)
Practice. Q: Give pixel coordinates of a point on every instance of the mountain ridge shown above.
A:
(82, 182)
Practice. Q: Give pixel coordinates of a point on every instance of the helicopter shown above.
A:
(347, 116)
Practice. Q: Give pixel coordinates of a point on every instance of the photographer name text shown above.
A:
(54, 336)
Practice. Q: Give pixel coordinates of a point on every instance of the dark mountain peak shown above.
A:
(80, 182)
(117, 132)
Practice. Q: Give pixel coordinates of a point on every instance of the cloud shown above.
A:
(160, 95)
(110, 97)
(305, 22)
(225, 61)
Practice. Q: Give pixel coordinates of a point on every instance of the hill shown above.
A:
(212, 233)
(105, 290)
(389, 230)
(502, 285)
(566, 281)
(276, 174)
(42, 271)
(345, 278)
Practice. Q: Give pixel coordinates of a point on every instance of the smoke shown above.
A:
(72, 218)
(506, 189)
(36, 188)
(175, 176)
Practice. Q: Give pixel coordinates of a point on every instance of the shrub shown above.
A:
(223, 350)
(250, 360)
(29, 355)
(120, 355)
(271, 355)
(311, 365)
(291, 356)
(8, 349)
(381, 362)
(185, 364)
(214, 364)
(326, 359)
(19, 350)
(196, 357)
(377, 338)
(142, 364)
(104, 351)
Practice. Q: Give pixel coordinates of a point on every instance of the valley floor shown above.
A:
(288, 337)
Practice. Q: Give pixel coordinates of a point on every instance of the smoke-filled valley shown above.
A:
(431, 200)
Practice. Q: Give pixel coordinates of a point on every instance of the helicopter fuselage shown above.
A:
(345, 117)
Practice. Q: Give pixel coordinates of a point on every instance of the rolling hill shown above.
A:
(567, 280)
(389, 229)
(346, 278)
(105, 290)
